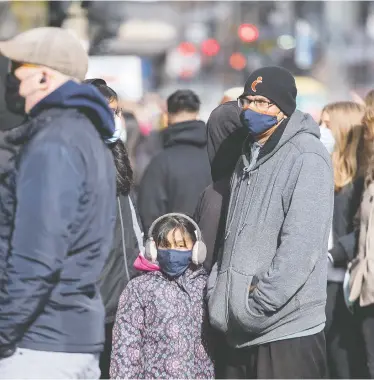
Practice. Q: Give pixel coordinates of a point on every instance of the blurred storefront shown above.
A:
(215, 45)
(312, 96)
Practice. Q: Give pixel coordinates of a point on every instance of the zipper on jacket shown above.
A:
(242, 213)
(242, 180)
(230, 217)
(244, 223)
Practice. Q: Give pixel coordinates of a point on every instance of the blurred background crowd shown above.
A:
(212, 46)
(146, 49)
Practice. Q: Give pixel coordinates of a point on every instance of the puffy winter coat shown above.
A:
(161, 329)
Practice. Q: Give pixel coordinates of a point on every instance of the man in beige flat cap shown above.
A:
(57, 211)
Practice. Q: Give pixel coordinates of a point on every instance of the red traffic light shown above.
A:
(248, 32)
(238, 61)
(210, 47)
(186, 48)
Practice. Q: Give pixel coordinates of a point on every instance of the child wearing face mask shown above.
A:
(161, 324)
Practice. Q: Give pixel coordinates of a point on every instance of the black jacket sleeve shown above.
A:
(344, 249)
(209, 215)
(347, 219)
(153, 195)
(48, 187)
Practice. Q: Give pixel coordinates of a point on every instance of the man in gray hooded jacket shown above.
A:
(267, 292)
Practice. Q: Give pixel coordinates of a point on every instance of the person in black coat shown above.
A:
(118, 269)
(177, 176)
(226, 135)
(8, 123)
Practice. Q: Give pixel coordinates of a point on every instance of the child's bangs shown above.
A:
(164, 227)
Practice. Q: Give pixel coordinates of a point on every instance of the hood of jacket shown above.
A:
(225, 137)
(144, 265)
(298, 123)
(187, 133)
(84, 97)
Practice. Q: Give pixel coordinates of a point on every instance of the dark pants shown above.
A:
(345, 349)
(366, 318)
(105, 355)
(298, 358)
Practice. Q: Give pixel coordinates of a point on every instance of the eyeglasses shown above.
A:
(262, 105)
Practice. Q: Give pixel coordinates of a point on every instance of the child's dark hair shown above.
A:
(170, 223)
(109, 94)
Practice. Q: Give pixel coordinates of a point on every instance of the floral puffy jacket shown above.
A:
(161, 329)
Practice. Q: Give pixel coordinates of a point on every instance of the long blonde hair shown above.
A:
(346, 127)
(368, 149)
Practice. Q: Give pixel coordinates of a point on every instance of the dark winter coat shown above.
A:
(345, 235)
(225, 139)
(161, 329)
(210, 215)
(178, 175)
(62, 182)
(8, 154)
(226, 135)
(8, 120)
(119, 267)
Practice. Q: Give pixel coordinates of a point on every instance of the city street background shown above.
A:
(144, 47)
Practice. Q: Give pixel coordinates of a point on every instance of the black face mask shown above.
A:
(13, 100)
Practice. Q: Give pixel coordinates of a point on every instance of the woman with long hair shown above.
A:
(369, 101)
(343, 121)
(361, 281)
(118, 269)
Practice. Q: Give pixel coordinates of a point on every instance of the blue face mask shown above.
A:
(257, 123)
(173, 262)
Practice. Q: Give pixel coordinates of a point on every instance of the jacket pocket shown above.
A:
(217, 303)
(246, 316)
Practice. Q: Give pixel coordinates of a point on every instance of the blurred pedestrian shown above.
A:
(361, 271)
(341, 128)
(267, 292)
(141, 147)
(61, 197)
(232, 94)
(177, 176)
(225, 139)
(161, 329)
(369, 101)
(118, 269)
(9, 122)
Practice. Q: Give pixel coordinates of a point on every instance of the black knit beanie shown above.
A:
(95, 82)
(275, 83)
